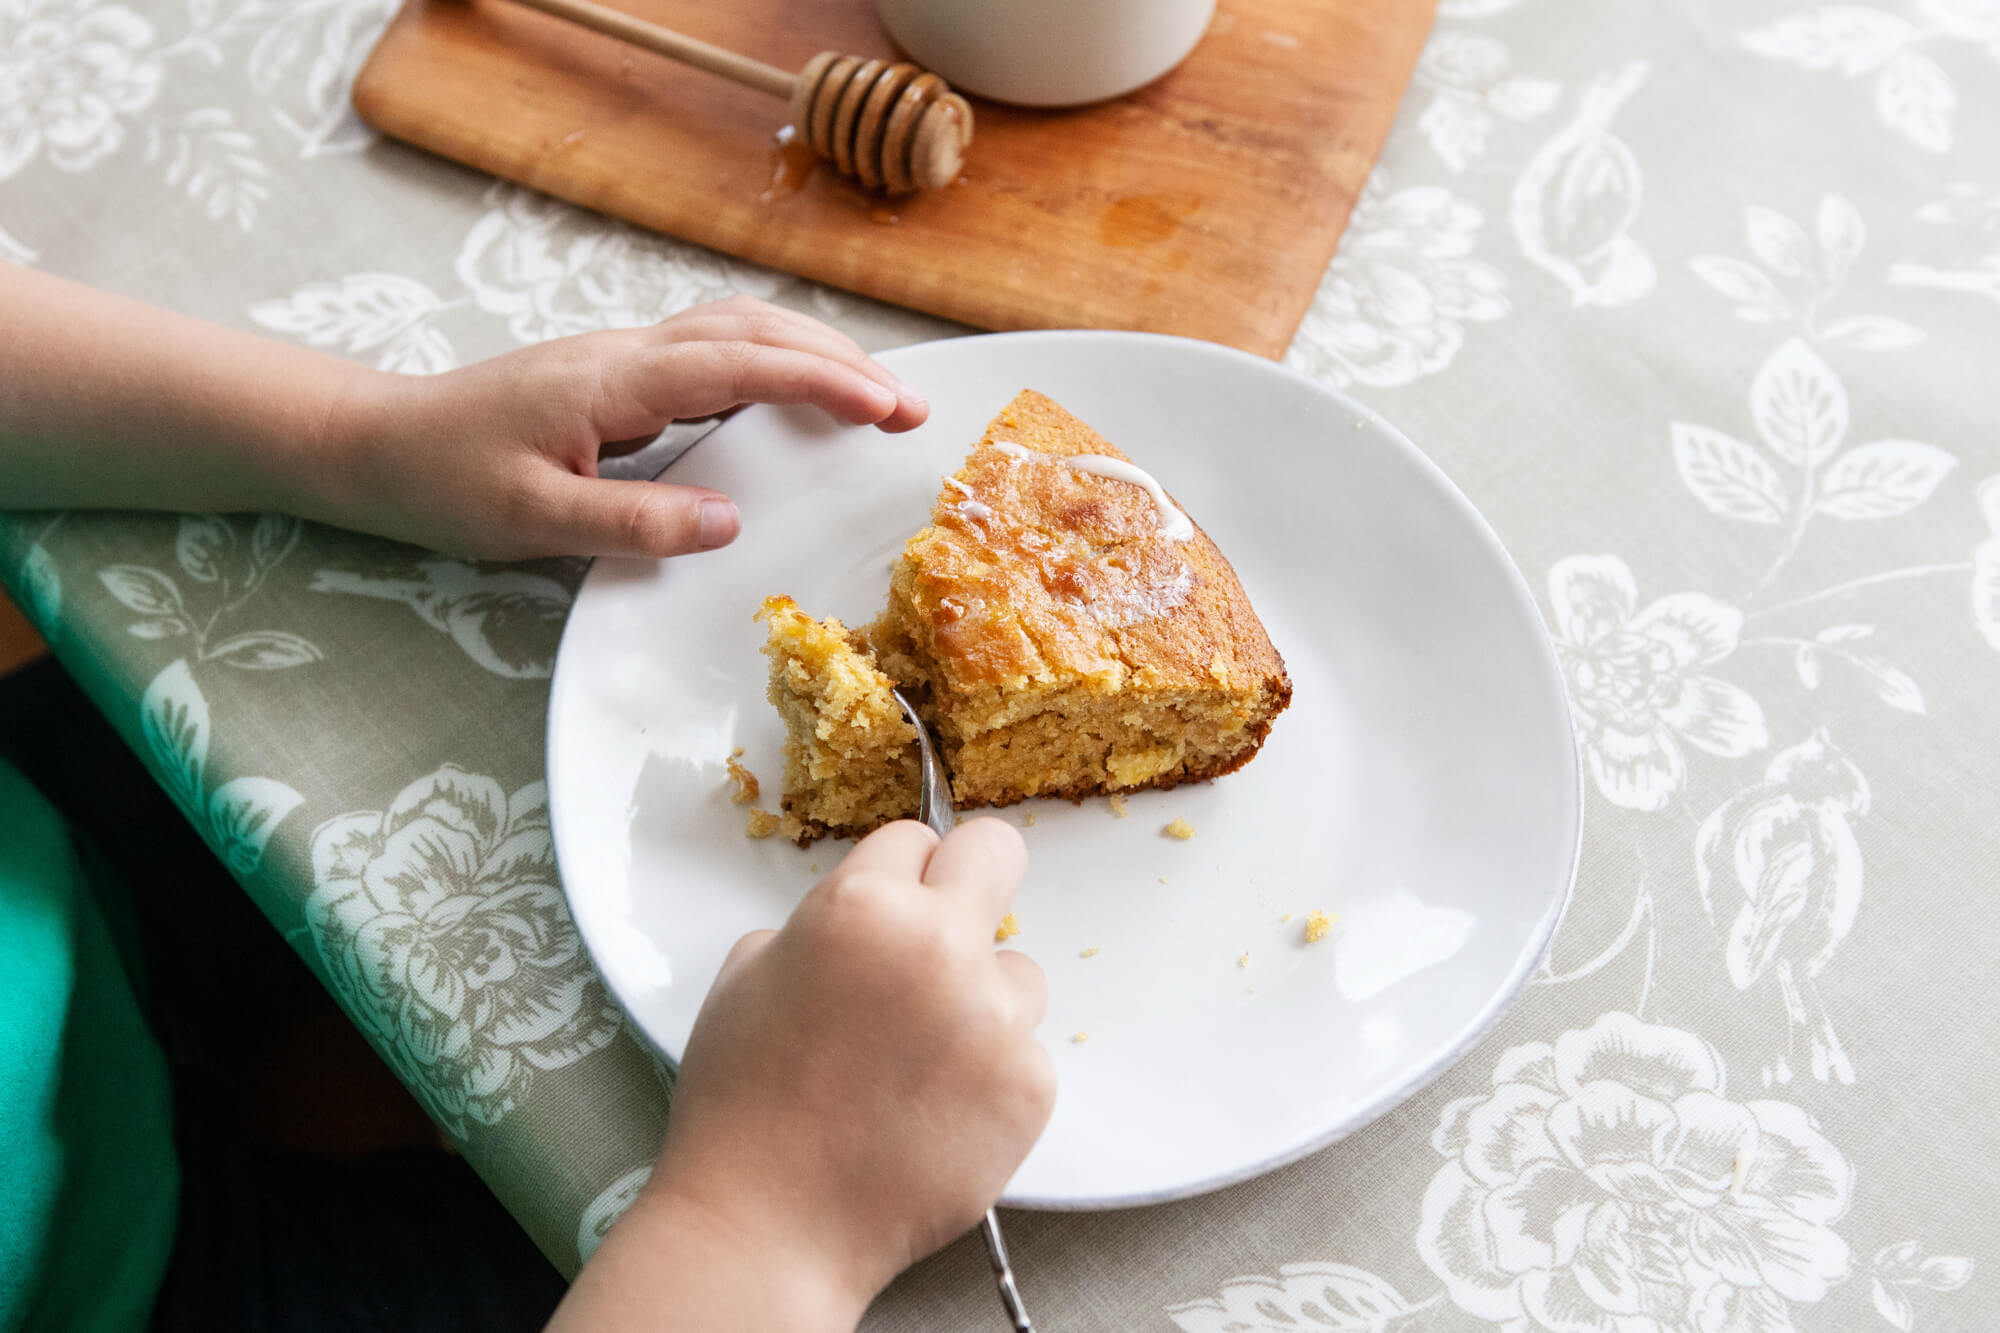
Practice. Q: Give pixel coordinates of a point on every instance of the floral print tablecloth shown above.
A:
(1700, 302)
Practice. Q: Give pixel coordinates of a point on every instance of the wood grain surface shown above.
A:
(1205, 205)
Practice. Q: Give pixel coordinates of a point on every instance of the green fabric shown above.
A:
(87, 1173)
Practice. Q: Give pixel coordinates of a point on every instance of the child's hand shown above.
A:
(856, 1092)
(499, 459)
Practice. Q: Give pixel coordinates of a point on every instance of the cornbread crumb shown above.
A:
(1091, 952)
(850, 755)
(1118, 805)
(745, 780)
(762, 824)
(1029, 822)
(1078, 1038)
(1180, 829)
(814, 867)
(1318, 924)
(1010, 926)
(1243, 959)
(1163, 879)
(1283, 919)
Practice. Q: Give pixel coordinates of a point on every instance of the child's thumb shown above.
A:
(598, 516)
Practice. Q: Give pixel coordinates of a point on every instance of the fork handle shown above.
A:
(1003, 1273)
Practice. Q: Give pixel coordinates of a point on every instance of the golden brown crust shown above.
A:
(1034, 572)
(1041, 587)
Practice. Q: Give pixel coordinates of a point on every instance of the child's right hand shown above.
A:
(861, 1084)
(856, 1092)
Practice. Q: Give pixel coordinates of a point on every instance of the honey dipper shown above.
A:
(891, 126)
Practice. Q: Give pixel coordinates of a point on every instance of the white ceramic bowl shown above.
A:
(1047, 52)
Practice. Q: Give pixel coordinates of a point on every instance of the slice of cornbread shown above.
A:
(1068, 630)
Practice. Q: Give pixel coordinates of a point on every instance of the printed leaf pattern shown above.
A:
(1884, 479)
(380, 312)
(1335, 1297)
(1729, 476)
(146, 591)
(204, 543)
(1797, 275)
(1799, 405)
(1913, 94)
(42, 582)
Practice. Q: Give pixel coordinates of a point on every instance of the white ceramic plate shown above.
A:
(1423, 784)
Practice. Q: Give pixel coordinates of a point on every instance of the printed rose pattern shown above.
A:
(1404, 284)
(1608, 1181)
(1473, 91)
(70, 73)
(1636, 683)
(440, 924)
(552, 270)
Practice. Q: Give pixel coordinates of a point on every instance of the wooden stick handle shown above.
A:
(675, 46)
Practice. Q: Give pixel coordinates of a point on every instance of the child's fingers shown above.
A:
(897, 851)
(756, 321)
(596, 516)
(1028, 984)
(981, 865)
(741, 953)
(769, 326)
(695, 379)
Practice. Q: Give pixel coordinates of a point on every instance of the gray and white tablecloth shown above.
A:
(1699, 300)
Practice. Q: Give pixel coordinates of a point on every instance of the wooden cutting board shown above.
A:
(1206, 204)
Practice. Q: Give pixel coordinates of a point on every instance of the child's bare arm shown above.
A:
(110, 403)
(857, 1090)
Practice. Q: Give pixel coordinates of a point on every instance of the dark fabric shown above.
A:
(268, 1242)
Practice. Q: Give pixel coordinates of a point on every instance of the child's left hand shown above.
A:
(500, 459)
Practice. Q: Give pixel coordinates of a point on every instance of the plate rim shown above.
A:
(1497, 1007)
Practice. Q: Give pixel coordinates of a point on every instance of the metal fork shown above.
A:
(936, 811)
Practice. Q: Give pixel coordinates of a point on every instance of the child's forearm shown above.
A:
(671, 1265)
(109, 402)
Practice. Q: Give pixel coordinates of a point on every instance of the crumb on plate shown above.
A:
(762, 824)
(1010, 926)
(1318, 924)
(1091, 952)
(1029, 822)
(1243, 959)
(743, 778)
(1118, 805)
(1078, 1038)
(1283, 919)
(1180, 829)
